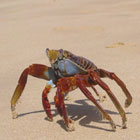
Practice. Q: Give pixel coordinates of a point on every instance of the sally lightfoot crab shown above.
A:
(68, 72)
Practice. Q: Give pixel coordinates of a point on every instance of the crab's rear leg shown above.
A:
(97, 79)
(87, 93)
(36, 70)
(114, 77)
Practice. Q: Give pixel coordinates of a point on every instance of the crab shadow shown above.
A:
(82, 111)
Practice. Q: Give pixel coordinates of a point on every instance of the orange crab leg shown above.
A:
(113, 76)
(36, 70)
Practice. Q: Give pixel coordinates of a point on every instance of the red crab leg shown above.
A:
(111, 95)
(57, 104)
(90, 97)
(113, 76)
(95, 90)
(36, 70)
(46, 103)
(64, 85)
(60, 105)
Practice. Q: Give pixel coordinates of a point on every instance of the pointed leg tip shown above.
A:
(70, 126)
(124, 126)
(14, 115)
(50, 119)
(128, 103)
(113, 126)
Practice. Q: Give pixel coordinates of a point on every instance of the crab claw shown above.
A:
(36, 70)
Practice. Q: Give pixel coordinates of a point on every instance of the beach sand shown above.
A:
(104, 31)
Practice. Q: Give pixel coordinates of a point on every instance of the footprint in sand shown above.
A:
(78, 28)
(120, 44)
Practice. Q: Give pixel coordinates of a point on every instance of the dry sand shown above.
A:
(105, 31)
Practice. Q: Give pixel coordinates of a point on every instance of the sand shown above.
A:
(106, 32)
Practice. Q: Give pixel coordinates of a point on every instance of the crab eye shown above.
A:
(61, 51)
(47, 51)
(60, 55)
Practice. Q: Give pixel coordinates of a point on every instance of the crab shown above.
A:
(68, 72)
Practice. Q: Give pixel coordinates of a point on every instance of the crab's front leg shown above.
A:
(64, 85)
(45, 100)
(36, 70)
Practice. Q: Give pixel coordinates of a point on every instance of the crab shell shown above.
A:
(66, 64)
